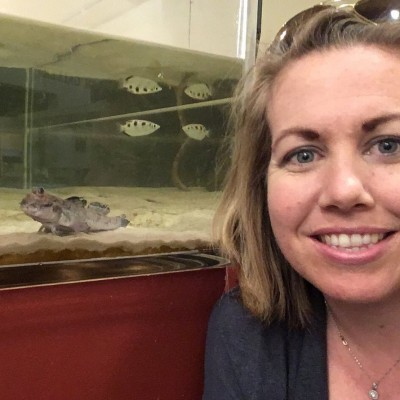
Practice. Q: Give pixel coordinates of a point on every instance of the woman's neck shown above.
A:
(371, 329)
(358, 317)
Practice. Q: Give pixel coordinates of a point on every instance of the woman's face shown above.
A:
(334, 176)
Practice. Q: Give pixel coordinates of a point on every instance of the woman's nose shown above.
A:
(346, 186)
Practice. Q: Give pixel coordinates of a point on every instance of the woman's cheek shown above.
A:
(286, 199)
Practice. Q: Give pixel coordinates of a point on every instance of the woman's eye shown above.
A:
(388, 146)
(305, 156)
(302, 156)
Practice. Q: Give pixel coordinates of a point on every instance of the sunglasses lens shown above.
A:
(285, 34)
(372, 10)
(379, 10)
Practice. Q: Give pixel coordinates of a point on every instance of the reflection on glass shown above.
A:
(94, 128)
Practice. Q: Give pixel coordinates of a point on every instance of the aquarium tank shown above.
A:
(112, 118)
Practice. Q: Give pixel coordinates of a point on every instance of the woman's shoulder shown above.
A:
(243, 354)
(234, 325)
(229, 312)
(247, 358)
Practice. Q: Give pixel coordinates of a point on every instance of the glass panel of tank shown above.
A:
(108, 144)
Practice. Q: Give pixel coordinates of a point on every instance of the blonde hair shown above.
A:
(270, 288)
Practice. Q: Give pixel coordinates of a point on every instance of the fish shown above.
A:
(69, 216)
(101, 208)
(77, 199)
(196, 131)
(198, 91)
(138, 127)
(138, 85)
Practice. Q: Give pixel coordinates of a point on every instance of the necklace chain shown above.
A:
(373, 392)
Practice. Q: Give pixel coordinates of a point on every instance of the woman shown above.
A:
(311, 217)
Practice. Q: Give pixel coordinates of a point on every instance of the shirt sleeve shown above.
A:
(246, 359)
(220, 381)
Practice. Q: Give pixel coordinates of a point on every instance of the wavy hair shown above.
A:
(270, 288)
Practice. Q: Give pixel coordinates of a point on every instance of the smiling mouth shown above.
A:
(354, 241)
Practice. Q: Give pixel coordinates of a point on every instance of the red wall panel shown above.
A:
(132, 338)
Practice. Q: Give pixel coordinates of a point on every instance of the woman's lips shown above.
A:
(353, 241)
(353, 248)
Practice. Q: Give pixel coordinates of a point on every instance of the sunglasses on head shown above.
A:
(374, 11)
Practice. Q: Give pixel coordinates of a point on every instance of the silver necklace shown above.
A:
(373, 393)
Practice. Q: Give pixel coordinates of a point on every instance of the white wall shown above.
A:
(205, 25)
(276, 12)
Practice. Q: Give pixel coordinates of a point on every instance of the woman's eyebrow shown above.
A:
(298, 131)
(310, 134)
(372, 124)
